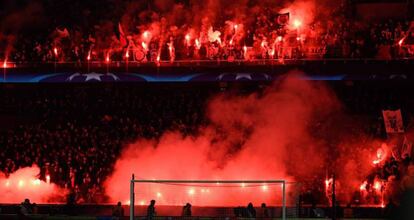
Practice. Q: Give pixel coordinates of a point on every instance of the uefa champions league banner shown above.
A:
(209, 71)
(95, 77)
(112, 77)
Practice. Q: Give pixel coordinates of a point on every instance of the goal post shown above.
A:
(134, 181)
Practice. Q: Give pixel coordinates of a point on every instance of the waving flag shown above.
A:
(121, 35)
(283, 19)
(393, 121)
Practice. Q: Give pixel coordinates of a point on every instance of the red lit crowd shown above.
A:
(75, 134)
(264, 38)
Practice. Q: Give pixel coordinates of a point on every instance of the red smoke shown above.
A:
(272, 135)
(24, 183)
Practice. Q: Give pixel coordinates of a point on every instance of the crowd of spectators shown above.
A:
(263, 37)
(76, 135)
(388, 40)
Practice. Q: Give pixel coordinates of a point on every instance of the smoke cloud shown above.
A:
(24, 183)
(290, 131)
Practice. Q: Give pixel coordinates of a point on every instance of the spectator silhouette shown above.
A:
(118, 211)
(251, 212)
(25, 209)
(186, 210)
(151, 213)
(264, 211)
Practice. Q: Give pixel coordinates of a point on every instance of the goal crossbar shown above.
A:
(133, 181)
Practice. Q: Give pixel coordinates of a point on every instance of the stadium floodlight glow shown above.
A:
(263, 183)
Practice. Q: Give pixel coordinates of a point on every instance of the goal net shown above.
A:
(209, 198)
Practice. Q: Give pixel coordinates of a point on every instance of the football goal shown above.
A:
(208, 195)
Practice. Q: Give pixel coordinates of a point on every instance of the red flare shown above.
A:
(198, 44)
(401, 42)
(381, 154)
(55, 50)
(297, 23)
(363, 186)
(145, 35)
(279, 38)
(328, 182)
(187, 39)
(272, 53)
(377, 185)
(127, 54)
(5, 64)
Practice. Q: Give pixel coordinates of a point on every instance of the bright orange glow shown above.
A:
(158, 58)
(363, 186)
(263, 44)
(377, 185)
(219, 40)
(159, 195)
(380, 156)
(144, 45)
(191, 191)
(127, 54)
(231, 42)
(145, 34)
(55, 50)
(107, 59)
(235, 27)
(36, 182)
(401, 42)
(187, 38)
(298, 39)
(5, 64)
(375, 162)
(279, 38)
(297, 23)
(198, 45)
(89, 57)
(48, 179)
(264, 187)
(24, 183)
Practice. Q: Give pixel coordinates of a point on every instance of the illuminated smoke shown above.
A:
(24, 183)
(268, 136)
(225, 21)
